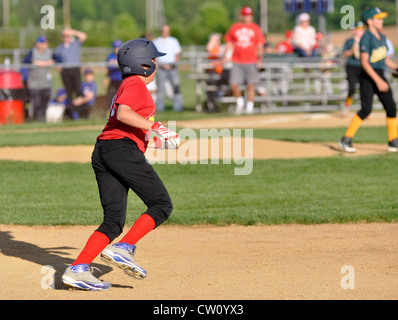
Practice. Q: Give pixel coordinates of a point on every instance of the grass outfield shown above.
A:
(305, 191)
(322, 190)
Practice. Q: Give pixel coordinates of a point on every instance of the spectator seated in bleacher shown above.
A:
(304, 37)
(285, 46)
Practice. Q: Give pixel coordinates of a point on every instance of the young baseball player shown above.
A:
(374, 59)
(119, 164)
(353, 65)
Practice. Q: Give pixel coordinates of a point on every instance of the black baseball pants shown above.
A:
(368, 89)
(353, 77)
(71, 79)
(39, 99)
(119, 166)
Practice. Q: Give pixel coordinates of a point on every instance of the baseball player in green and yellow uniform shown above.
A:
(353, 65)
(374, 60)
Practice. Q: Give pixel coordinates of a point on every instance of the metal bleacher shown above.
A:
(287, 84)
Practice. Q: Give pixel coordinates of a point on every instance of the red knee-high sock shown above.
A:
(141, 227)
(95, 244)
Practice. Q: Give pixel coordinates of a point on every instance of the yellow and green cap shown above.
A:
(371, 13)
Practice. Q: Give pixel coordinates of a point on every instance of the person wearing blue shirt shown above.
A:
(61, 97)
(81, 106)
(114, 77)
(68, 53)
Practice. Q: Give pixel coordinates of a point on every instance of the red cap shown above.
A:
(246, 11)
(288, 33)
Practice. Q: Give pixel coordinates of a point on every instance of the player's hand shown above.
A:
(382, 86)
(165, 133)
(394, 73)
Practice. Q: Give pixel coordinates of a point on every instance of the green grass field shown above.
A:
(278, 191)
(306, 191)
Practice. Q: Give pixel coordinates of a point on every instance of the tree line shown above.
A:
(191, 21)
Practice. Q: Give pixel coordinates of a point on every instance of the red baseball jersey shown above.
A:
(245, 37)
(284, 47)
(133, 93)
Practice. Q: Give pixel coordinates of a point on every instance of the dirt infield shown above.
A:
(206, 262)
(350, 261)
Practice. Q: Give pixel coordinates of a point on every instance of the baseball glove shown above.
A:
(394, 73)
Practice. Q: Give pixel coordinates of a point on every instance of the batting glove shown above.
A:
(171, 137)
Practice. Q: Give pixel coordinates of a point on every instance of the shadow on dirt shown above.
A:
(54, 258)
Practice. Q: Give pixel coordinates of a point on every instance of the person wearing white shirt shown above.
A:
(168, 70)
(304, 37)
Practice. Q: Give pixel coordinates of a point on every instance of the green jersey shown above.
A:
(352, 60)
(376, 48)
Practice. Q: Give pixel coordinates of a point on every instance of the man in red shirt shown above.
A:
(247, 41)
(119, 164)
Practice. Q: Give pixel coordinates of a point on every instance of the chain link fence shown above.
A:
(55, 92)
(94, 59)
(54, 85)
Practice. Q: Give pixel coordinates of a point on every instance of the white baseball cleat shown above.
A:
(345, 144)
(80, 277)
(122, 256)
